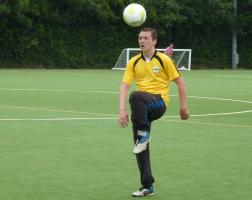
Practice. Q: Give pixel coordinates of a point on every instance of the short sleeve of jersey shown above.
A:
(171, 70)
(129, 73)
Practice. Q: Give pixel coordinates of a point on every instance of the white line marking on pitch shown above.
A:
(215, 114)
(114, 92)
(232, 76)
(216, 98)
(105, 118)
(87, 118)
(56, 110)
(58, 90)
(206, 123)
(60, 119)
(104, 114)
(221, 99)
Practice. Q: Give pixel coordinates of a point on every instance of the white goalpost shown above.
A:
(181, 57)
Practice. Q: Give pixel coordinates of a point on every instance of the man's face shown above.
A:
(146, 43)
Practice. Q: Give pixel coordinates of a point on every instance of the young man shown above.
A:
(152, 71)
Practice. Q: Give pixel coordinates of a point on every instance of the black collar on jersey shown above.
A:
(154, 56)
(142, 56)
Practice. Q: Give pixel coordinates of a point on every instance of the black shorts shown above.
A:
(145, 108)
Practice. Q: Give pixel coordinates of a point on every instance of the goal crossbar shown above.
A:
(181, 57)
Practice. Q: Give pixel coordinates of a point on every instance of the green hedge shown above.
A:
(92, 34)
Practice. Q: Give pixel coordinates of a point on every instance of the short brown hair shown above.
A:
(153, 31)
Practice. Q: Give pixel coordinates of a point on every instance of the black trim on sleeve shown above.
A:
(178, 70)
(162, 64)
(136, 61)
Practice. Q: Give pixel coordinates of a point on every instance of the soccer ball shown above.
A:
(134, 15)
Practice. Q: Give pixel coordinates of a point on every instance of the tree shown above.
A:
(85, 33)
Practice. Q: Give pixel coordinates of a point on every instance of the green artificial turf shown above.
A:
(59, 138)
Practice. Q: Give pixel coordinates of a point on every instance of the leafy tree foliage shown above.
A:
(91, 33)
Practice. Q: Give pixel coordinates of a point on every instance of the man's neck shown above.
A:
(149, 54)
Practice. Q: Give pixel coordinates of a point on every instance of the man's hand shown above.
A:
(123, 119)
(184, 114)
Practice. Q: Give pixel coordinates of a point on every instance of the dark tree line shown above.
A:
(91, 33)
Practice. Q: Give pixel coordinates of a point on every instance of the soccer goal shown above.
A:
(181, 57)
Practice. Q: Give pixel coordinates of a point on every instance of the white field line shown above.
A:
(221, 99)
(216, 98)
(112, 116)
(114, 92)
(207, 123)
(214, 114)
(106, 116)
(55, 110)
(61, 119)
(58, 90)
(231, 76)
(167, 120)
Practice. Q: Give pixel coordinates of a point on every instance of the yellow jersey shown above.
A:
(151, 76)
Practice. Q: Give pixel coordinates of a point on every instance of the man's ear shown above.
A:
(155, 42)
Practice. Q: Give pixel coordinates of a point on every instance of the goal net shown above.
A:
(181, 57)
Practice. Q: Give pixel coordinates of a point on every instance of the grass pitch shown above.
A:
(59, 138)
